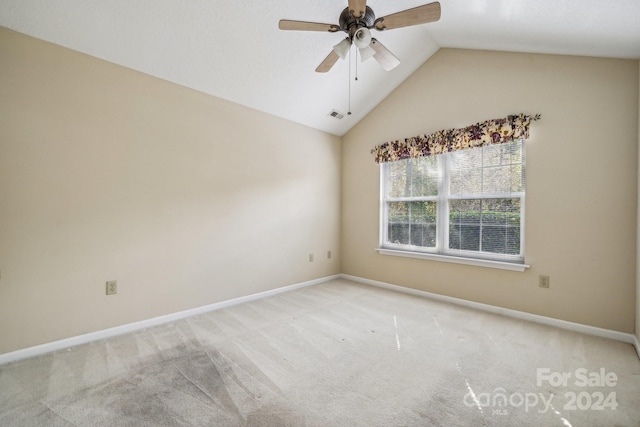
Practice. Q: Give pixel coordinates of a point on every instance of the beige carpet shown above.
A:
(336, 354)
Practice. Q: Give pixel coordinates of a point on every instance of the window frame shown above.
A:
(441, 251)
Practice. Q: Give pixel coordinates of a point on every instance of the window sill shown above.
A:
(502, 265)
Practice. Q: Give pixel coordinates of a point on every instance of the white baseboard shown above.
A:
(577, 327)
(143, 324)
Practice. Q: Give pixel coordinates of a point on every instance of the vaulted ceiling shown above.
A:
(234, 50)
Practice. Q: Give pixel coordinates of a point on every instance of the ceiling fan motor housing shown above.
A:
(350, 24)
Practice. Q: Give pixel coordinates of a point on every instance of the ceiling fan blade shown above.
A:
(358, 7)
(384, 57)
(328, 62)
(286, 24)
(418, 15)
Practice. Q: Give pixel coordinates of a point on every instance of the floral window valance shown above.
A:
(495, 131)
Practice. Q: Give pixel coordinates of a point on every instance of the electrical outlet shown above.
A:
(112, 287)
(543, 281)
(310, 257)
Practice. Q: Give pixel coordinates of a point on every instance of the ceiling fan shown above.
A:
(357, 20)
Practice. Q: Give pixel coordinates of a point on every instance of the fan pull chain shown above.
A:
(356, 64)
(349, 81)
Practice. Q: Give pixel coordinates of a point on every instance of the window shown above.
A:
(466, 203)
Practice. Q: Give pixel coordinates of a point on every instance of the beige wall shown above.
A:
(638, 231)
(581, 180)
(183, 198)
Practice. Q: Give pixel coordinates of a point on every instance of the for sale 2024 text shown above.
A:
(582, 378)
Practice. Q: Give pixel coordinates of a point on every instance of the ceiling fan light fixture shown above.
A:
(342, 48)
(362, 38)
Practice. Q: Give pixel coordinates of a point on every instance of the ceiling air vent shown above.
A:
(337, 114)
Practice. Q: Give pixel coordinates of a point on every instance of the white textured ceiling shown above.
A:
(234, 50)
